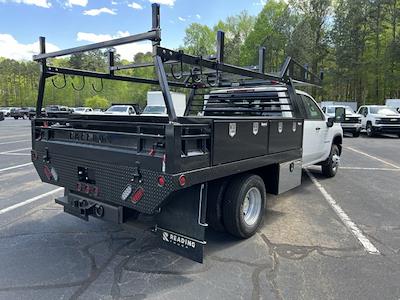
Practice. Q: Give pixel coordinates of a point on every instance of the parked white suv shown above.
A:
(352, 121)
(121, 110)
(83, 110)
(378, 119)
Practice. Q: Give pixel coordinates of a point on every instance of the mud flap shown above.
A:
(181, 223)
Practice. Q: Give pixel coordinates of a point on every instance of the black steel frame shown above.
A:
(199, 67)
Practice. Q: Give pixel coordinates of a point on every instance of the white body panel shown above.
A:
(395, 103)
(156, 100)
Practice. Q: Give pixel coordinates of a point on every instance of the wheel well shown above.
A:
(338, 141)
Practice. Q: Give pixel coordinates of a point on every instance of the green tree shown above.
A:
(97, 102)
(199, 40)
(272, 30)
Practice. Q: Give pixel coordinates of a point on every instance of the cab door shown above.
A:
(315, 132)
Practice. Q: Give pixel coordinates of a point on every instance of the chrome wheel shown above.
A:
(335, 162)
(251, 206)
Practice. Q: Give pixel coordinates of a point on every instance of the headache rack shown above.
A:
(197, 73)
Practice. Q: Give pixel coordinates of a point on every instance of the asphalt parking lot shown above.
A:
(328, 239)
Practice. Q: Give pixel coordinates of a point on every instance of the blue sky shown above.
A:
(69, 23)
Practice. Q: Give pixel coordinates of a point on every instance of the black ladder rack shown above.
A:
(196, 72)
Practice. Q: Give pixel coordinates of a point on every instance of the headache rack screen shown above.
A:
(253, 104)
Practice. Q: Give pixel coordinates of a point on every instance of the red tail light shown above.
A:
(182, 180)
(161, 181)
(138, 195)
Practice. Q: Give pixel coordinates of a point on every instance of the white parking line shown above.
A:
(369, 169)
(20, 141)
(12, 152)
(13, 136)
(373, 157)
(368, 246)
(13, 207)
(15, 167)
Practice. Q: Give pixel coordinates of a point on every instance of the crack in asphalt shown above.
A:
(95, 270)
(94, 273)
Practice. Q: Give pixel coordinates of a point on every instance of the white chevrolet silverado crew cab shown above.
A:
(378, 119)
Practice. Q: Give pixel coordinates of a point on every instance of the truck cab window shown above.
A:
(313, 112)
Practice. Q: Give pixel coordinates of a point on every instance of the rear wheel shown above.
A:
(331, 166)
(244, 205)
(370, 130)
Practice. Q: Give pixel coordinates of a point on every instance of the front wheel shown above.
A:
(370, 130)
(331, 166)
(244, 205)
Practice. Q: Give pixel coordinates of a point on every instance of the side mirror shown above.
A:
(340, 114)
(330, 122)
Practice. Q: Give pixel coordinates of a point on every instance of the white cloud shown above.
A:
(135, 5)
(40, 3)
(11, 48)
(260, 2)
(98, 11)
(82, 3)
(182, 19)
(165, 2)
(114, 3)
(198, 16)
(126, 51)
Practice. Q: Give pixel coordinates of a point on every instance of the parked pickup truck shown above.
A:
(378, 119)
(22, 113)
(6, 111)
(352, 121)
(244, 134)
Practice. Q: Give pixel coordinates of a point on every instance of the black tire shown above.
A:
(234, 199)
(16, 118)
(370, 130)
(356, 134)
(330, 166)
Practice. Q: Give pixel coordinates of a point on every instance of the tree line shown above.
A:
(355, 42)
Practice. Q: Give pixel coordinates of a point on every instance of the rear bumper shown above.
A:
(83, 207)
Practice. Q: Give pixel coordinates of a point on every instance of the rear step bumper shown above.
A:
(82, 207)
(180, 225)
